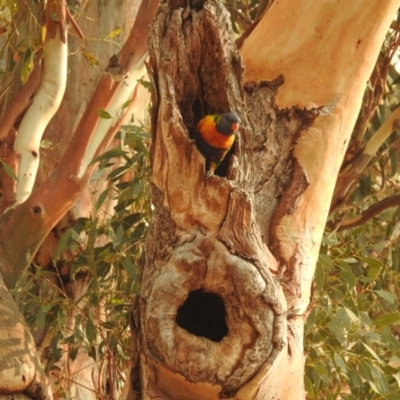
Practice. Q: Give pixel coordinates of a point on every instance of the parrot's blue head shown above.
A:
(227, 123)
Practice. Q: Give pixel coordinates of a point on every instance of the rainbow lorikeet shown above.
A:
(215, 136)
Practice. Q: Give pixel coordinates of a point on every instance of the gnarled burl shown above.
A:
(212, 311)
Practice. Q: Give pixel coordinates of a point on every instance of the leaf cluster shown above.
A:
(353, 330)
(351, 335)
(106, 251)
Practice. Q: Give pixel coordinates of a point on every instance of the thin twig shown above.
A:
(75, 25)
(367, 214)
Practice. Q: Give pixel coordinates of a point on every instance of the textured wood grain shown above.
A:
(251, 237)
(204, 235)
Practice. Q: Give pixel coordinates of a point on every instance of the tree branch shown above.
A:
(45, 104)
(7, 182)
(21, 101)
(47, 205)
(130, 66)
(367, 214)
(71, 19)
(352, 172)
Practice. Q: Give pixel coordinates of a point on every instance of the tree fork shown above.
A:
(23, 229)
(212, 313)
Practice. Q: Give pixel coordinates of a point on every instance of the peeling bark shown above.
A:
(301, 50)
(238, 247)
(247, 238)
(205, 249)
(46, 205)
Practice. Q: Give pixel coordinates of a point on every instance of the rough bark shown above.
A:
(312, 46)
(241, 247)
(20, 370)
(246, 241)
(205, 249)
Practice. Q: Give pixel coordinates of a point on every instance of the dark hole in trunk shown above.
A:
(203, 314)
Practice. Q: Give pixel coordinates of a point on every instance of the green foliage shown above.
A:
(352, 332)
(101, 253)
(351, 335)
(22, 38)
(114, 33)
(243, 13)
(7, 10)
(103, 114)
(8, 170)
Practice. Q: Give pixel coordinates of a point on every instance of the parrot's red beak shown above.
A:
(235, 127)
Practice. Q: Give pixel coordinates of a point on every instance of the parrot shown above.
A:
(215, 135)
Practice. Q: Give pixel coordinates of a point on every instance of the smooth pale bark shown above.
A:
(116, 111)
(56, 194)
(326, 52)
(251, 239)
(45, 103)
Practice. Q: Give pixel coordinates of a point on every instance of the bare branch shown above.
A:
(21, 101)
(352, 173)
(45, 103)
(47, 205)
(127, 68)
(367, 214)
(71, 19)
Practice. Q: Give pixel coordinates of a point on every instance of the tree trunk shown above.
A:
(230, 258)
(75, 137)
(227, 277)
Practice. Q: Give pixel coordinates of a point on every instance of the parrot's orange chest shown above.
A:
(207, 129)
(215, 136)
